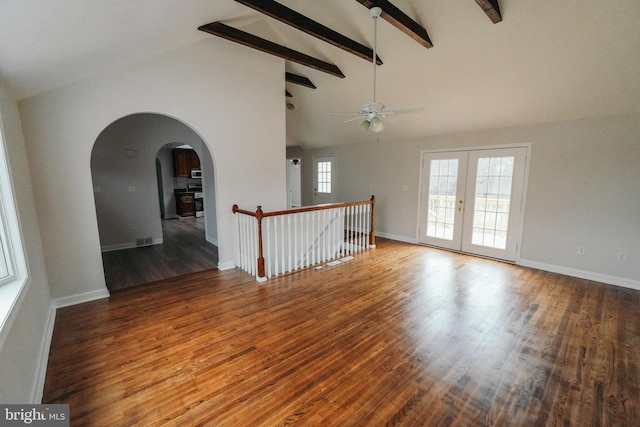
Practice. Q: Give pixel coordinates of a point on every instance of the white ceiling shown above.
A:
(546, 61)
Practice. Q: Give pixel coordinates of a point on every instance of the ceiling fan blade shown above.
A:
(403, 111)
(348, 113)
(354, 119)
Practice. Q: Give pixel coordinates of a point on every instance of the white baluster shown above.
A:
(307, 247)
(315, 258)
(341, 229)
(275, 246)
(359, 228)
(245, 244)
(294, 249)
(362, 220)
(266, 229)
(282, 248)
(254, 245)
(289, 269)
(332, 236)
(367, 225)
(323, 233)
(354, 235)
(349, 228)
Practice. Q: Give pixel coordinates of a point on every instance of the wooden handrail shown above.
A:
(259, 214)
(236, 208)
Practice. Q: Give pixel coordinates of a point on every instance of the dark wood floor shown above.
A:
(401, 335)
(184, 250)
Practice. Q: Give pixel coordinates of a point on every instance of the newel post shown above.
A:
(372, 231)
(261, 272)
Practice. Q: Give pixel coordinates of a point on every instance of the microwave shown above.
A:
(196, 173)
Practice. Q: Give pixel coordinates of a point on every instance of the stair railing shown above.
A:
(275, 243)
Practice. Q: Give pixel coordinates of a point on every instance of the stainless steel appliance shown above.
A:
(198, 198)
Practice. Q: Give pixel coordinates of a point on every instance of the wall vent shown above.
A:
(144, 241)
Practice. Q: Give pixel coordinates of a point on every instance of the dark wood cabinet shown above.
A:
(184, 161)
(184, 204)
(194, 160)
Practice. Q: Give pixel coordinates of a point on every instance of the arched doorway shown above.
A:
(137, 242)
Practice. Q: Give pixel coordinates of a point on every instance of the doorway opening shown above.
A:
(143, 237)
(294, 183)
(324, 179)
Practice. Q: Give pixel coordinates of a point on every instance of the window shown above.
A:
(5, 259)
(13, 277)
(324, 177)
(7, 256)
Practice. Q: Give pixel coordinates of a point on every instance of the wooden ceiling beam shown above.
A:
(492, 9)
(299, 80)
(311, 27)
(400, 20)
(233, 34)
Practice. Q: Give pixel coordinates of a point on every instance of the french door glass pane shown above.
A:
(443, 182)
(492, 202)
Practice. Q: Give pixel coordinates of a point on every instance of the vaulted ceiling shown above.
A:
(542, 61)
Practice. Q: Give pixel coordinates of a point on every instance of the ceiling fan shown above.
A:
(373, 112)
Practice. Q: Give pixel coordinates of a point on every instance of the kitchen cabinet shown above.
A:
(184, 204)
(194, 160)
(184, 161)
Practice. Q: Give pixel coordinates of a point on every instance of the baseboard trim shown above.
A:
(226, 265)
(211, 240)
(397, 238)
(582, 274)
(129, 245)
(45, 347)
(118, 247)
(81, 298)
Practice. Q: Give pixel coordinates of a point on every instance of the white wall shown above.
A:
(211, 86)
(210, 199)
(23, 355)
(165, 157)
(583, 190)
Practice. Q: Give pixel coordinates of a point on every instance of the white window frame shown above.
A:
(12, 287)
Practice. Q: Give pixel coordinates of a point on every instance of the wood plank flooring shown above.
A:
(402, 335)
(184, 250)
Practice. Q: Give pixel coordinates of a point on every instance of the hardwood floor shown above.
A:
(184, 250)
(401, 335)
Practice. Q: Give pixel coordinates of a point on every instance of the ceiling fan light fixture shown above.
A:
(376, 125)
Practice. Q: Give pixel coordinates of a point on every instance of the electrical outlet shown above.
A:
(581, 250)
(622, 257)
(134, 229)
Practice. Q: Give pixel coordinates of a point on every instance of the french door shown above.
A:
(472, 201)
